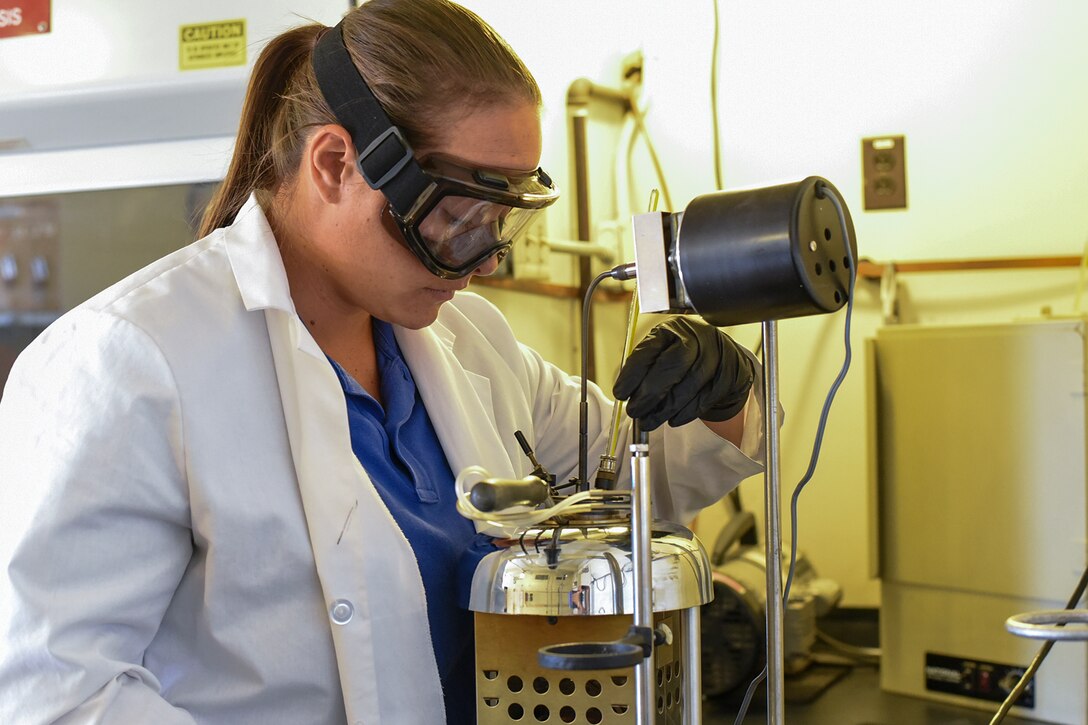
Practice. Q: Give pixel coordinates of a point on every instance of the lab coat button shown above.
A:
(341, 611)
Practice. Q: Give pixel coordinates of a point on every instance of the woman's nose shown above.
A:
(488, 266)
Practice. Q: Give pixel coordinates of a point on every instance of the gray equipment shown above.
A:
(980, 477)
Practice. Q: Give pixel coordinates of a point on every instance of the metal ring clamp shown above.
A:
(1050, 624)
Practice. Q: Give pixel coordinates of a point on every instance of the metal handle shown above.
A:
(495, 494)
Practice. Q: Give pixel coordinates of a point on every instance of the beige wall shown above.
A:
(990, 95)
(991, 99)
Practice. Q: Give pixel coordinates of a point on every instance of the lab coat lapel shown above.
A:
(373, 591)
(458, 401)
(363, 559)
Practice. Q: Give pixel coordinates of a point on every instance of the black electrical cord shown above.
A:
(1029, 673)
(818, 441)
(623, 271)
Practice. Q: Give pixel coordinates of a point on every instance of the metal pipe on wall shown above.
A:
(579, 95)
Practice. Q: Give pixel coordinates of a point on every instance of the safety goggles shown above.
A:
(452, 216)
(468, 215)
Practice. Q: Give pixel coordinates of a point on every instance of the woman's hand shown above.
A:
(682, 370)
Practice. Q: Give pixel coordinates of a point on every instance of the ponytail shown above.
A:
(281, 103)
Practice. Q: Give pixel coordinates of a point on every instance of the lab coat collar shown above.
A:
(255, 259)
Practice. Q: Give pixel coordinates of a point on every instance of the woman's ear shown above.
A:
(329, 162)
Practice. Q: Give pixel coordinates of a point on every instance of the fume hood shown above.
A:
(105, 98)
(109, 149)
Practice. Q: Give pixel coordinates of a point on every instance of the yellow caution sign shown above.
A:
(212, 45)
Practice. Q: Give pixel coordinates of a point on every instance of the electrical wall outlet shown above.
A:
(884, 172)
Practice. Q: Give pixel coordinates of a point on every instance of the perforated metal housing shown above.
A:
(512, 688)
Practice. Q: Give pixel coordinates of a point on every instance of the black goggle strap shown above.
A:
(384, 156)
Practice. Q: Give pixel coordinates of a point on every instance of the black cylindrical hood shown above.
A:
(765, 254)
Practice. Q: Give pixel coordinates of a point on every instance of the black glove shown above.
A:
(683, 370)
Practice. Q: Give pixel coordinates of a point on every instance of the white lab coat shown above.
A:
(188, 535)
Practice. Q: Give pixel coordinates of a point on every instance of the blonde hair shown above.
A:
(426, 61)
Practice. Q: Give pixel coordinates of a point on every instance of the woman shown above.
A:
(232, 473)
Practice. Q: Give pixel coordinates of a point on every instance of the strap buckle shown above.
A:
(385, 160)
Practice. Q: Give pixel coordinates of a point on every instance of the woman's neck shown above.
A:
(345, 335)
(343, 331)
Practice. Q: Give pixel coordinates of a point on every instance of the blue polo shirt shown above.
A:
(399, 450)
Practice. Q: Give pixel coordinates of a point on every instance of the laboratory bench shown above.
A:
(856, 699)
(850, 694)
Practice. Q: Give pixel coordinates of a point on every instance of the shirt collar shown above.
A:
(391, 361)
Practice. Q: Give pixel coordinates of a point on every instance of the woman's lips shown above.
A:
(444, 295)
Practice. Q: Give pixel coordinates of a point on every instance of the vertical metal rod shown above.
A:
(580, 145)
(693, 663)
(776, 710)
(642, 575)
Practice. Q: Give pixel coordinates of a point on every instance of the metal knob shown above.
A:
(39, 270)
(9, 268)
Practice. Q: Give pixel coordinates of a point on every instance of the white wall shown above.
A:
(992, 100)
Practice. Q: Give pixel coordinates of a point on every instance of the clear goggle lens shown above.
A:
(460, 230)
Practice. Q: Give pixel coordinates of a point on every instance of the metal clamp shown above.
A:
(630, 651)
